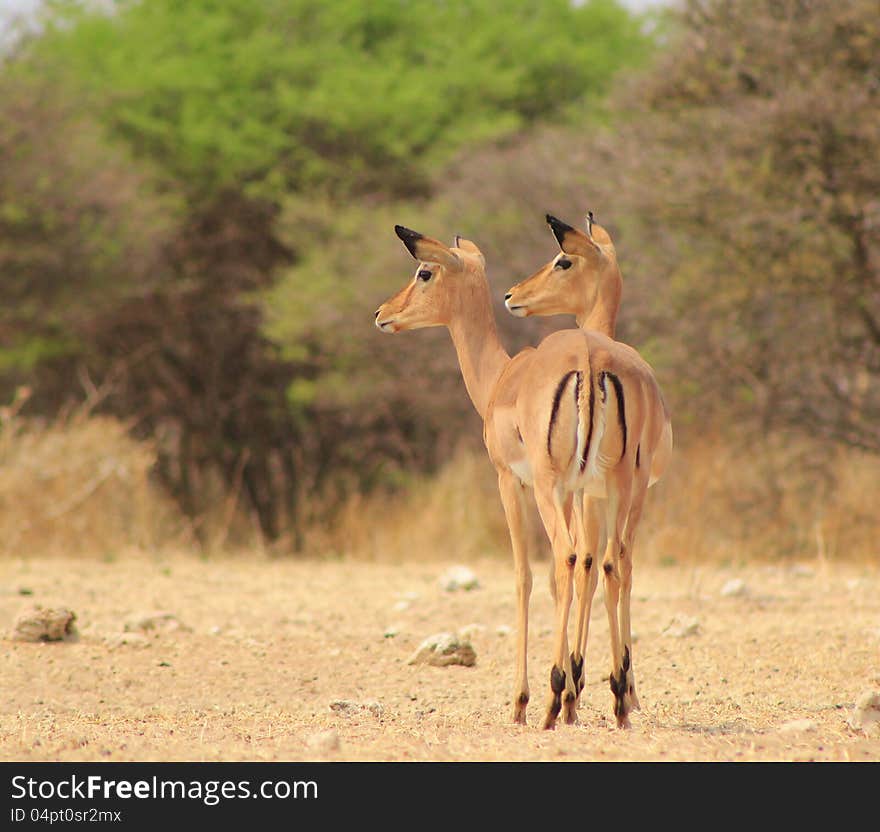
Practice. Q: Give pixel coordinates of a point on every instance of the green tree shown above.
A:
(248, 114)
(81, 229)
(284, 95)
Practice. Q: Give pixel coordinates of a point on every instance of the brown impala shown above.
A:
(584, 280)
(578, 414)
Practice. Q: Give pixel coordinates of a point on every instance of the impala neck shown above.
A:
(602, 317)
(480, 354)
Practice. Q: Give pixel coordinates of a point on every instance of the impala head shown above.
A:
(572, 281)
(445, 281)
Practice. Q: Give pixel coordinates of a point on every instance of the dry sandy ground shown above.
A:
(267, 646)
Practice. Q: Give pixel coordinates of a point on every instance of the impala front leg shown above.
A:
(516, 512)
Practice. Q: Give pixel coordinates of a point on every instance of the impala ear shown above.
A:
(597, 233)
(426, 249)
(572, 240)
(469, 246)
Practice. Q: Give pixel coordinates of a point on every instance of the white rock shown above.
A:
(38, 623)
(127, 640)
(444, 649)
(797, 726)
(503, 630)
(866, 713)
(347, 706)
(156, 620)
(324, 741)
(467, 632)
(681, 626)
(735, 587)
(458, 577)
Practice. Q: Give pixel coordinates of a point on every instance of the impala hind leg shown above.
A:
(586, 578)
(516, 510)
(562, 688)
(617, 511)
(640, 490)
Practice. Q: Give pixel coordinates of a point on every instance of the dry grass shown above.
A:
(459, 506)
(783, 500)
(268, 644)
(79, 485)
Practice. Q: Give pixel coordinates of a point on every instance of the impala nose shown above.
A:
(377, 313)
(507, 296)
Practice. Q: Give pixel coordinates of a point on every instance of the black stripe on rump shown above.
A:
(621, 406)
(557, 397)
(592, 404)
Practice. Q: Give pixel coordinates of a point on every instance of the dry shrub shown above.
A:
(765, 499)
(79, 485)
(453, 515)
(720, 501)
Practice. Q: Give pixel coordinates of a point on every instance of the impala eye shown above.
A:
(562, 263)
(424, 274)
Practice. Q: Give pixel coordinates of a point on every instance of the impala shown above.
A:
(579, 413)
(584, 280)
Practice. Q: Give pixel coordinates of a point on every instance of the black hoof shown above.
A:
(620, 689)
(577, 673)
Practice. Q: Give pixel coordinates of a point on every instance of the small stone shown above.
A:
(797, 726)
(39, 623)
(405, 600)
(444, 649)
(734, 588)
(503, 630)
(347, 706)
(156, 621)
(127, 640)
(458, 577)
(324, 741)
(866, 713)
(681, 626)
(390, 632)
(467, 632)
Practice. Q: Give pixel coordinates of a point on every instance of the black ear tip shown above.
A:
(409, 237)
(558, 227)
(405, 233)
(555, 222)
